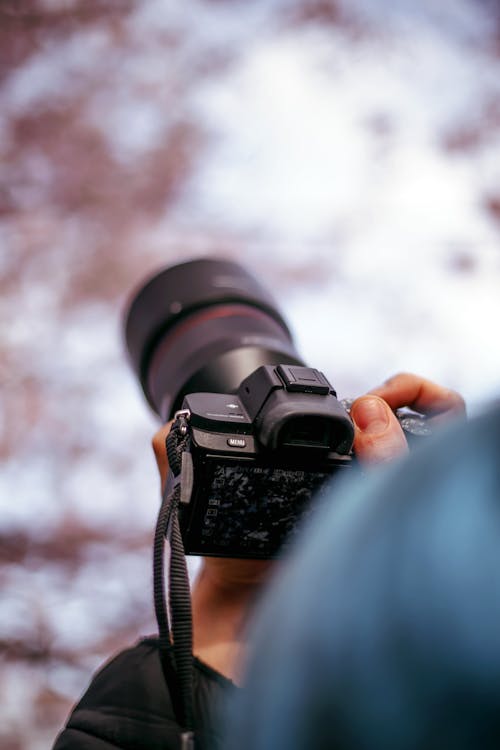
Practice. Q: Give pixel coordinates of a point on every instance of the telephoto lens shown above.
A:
(202, 326)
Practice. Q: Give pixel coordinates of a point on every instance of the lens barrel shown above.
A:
(202, 326)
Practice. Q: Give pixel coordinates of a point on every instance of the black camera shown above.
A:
(265, 431)
(256, 458)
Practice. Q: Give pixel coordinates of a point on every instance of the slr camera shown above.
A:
(265, 431)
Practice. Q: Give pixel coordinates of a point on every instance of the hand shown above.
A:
(378, 435)
(160, 450)
(226, 589)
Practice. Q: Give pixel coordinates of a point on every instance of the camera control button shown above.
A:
(236, 442)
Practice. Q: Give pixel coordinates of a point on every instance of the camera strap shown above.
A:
(175, 626)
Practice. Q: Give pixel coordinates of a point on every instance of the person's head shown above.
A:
(384, 630)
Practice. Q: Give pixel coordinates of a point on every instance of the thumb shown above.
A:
(378, 435)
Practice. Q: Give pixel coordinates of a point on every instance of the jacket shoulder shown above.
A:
(127, 705)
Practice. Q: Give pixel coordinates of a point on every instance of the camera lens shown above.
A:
(202, 326)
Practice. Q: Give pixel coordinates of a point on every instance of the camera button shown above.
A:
(236, 442)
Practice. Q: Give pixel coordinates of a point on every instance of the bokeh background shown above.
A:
(346, 151)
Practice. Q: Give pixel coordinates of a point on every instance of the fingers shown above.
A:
(378, 436)
(160, 451)
(420, 394)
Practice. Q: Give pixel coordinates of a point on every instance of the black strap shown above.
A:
(176, 632)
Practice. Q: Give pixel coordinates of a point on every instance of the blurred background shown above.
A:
(348, 152)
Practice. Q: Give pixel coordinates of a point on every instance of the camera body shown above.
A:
(256, 457)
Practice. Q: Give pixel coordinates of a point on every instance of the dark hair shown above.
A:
(384, 630)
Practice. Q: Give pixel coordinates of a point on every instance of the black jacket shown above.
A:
(127, 706)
